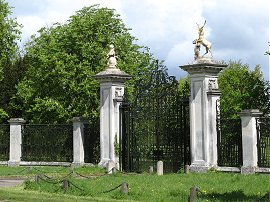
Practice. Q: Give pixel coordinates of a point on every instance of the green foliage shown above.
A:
(63, 59)
(242, 88)
(184, 87)
(3, 115)
(9, 34)
(13, 73)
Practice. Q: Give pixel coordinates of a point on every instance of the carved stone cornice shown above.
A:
(204, 65)
(112, 75)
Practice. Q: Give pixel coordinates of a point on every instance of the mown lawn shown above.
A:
(90, 184)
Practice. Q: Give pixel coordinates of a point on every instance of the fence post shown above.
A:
(78, 140)
(249, 140)
(15, 149)
(112, 82)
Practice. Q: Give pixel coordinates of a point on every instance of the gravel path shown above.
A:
(10, 183)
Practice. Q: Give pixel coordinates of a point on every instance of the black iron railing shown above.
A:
(91, 142)
(263, 138)
(4, 142)
(47, 143)
(229, 142)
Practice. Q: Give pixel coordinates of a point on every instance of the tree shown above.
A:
(9, 34)
(63, 58)
(242, 88)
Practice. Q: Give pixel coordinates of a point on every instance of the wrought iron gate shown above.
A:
(155, 125)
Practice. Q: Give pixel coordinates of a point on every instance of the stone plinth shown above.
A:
(111, 93)
(203, 98)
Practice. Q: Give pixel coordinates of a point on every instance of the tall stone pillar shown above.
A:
(203, 98)
(15, 149)
(111, 93)
(249, 140)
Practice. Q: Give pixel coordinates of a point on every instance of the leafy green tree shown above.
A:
(184, 87)
(9, 35)
(242, 88)
(63, 59)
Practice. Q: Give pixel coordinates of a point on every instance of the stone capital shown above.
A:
(204, 66)
(112, 75)
(16, 121)
(250, 112)
(79, 119)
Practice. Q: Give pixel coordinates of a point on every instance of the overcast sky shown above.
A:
(237, 29)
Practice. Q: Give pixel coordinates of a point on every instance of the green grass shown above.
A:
(173, 187)
(214, 186)
(28, 171)
(19, 194)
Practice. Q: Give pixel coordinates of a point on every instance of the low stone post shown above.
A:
(15, 149)
(110, 167)
(160, 168)
(78, 140)
(124, 188)
(249, 140)
(151, 170)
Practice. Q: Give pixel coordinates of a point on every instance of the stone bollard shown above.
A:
(193, 194)
(30, 169)
(124, 188)
(110, 167)
(65, 184)
(187, 169)
(151, 170)
(160, 168)
(37, 178)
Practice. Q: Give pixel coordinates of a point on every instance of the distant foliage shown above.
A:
(243, 88)
(9, 36)
(63, 58)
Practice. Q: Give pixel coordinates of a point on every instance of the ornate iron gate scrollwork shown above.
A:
(155, 125)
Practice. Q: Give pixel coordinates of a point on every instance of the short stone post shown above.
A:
(110, 167)
(111, 94)
(203, 97)
(78, 140)
(15, 149)
(124, 188)
(160, 168)
(249, 140)
(151, 170)
(193, 194)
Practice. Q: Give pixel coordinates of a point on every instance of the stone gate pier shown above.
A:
(112, 82)
(203, 99)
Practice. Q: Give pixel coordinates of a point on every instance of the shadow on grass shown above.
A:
(232, 196)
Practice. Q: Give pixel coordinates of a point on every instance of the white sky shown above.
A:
(237, 29)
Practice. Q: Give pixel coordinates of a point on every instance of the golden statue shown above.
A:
(201, 41)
